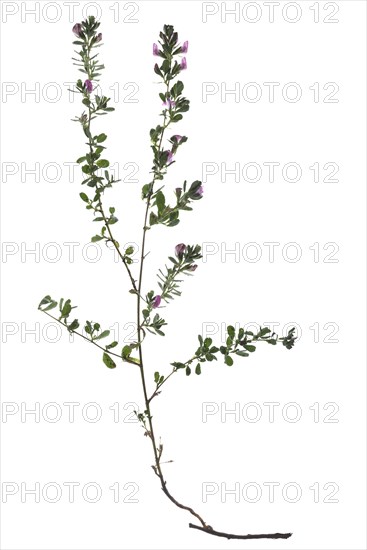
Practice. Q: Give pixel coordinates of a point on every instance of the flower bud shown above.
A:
(155, 49)
(192, 267)
(77, 30)
(183, 63)
(199, 192)
(180, 250)
(156, 301)
(99, 37)
(169, 157)
(88, 86)
(185, 47)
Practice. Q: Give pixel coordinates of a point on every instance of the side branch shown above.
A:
(124, 359)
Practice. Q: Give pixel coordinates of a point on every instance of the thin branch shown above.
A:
(89, 340)
(90, 143)
(133, 282)
(211, 531)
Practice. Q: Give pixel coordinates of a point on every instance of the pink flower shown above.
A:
(183, 63)
(185, 47)
(200, 191)
(88, 86)
(180, 250)
(177, 138)
(169, 157)
(155, 49)
(169, 103)
(156, 301)
(77, 30)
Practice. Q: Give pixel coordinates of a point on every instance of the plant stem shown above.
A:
(229, 536)
(157, 453)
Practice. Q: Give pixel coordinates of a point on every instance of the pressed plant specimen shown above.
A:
(171, 61)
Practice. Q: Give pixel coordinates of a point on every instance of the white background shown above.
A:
(37, 129)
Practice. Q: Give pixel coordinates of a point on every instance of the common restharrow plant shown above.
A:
(162, 206)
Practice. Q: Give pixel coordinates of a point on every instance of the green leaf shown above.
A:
(65, 309)
(74, 325)
(96, 238)
(126, 350)
(46, 300)
(250, 348)
(188, 371)
(101, 138)
(156, 377)
(242, 353)
(198, 369)
(108, 361)
(160, 201)
(112, 345)
(102, 163)
(84, 197)
(231, 331)
(153, 220)
(103, 334)
(176, 118)
(228, 361)
(81, 159)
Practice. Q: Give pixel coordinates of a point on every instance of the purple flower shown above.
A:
(88, 86)
(169, 103)
(169, 157)
(77, 30)
(156, 301)
(185, 47)
(155, 49)
(199, 192)
(183, 63)
(177, 138)
(99, 37)
(180, 250)
(192, 267)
